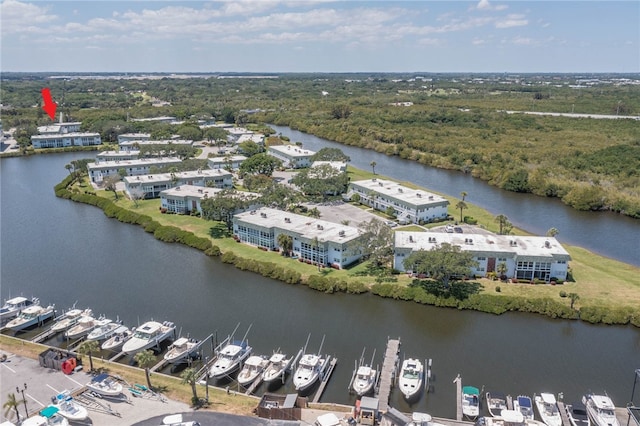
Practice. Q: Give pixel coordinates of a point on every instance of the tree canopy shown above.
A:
(260, 164)
(443, 263)
(321, 181)
(330, 154)
(376, 242)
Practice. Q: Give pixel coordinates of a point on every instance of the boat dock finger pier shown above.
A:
(389, 372)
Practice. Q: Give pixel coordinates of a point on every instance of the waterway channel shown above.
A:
(66, 253)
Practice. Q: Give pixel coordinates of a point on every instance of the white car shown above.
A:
(391, 223)
(449, 229)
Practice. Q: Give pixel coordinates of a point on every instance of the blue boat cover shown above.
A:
(524, 401)
(49, 411)
(100, 377)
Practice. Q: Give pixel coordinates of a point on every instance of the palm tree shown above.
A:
(461, 205)
(501, 269)
(463, 194)
(12, 404)
(552, 232)
(574, 298)
(69, 167)
(286, 244)
(190, 377)
(502, 221)
(315, 243)
(87, 348)
(146, 359)
(373, 165)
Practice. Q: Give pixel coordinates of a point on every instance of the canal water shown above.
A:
(66, 253)
(606, 233)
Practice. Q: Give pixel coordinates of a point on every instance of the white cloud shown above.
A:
(486, 5)
(512, 20)
(20, 17)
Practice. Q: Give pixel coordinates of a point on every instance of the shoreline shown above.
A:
(514, 297)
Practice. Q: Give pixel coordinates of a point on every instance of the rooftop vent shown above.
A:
(380, 183)
(341, 233)
(547, 244)
(431, 197)
(287, 220)
(513, 243)
(263, 214)
(320, 227)
(400, 190)
(419, 195)
(374, 180)
(410, 238)
(200, 191)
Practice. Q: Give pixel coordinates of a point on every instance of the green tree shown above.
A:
(215, 134)
(552, 232)
(285, 242)
(330, 154)
(189, 132)
(503, 222)
(461, 205)
(223, 206)
(321, 182)
(69, 168)
(260, 164)
(122, 172)
(250, 148)
(110, 184)
(12, 403)
(442, 263)
(501, 269)
(373, 165)
(88, 347)
(356, 198)
(574, 298)
(341, 111)
(146, 359)
(376, 242)
(190, 377)
(463, 194)
(278, 196)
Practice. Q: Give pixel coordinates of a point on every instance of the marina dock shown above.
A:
(388, 374)
(458, 382)
(325, 379)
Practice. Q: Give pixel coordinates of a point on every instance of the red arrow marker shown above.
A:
(49, 106)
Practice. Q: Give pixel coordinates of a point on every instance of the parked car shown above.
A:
(458, 230)
(391, 223)
(448, 229)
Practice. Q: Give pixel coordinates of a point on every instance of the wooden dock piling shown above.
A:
(325, 379)
(388, 374)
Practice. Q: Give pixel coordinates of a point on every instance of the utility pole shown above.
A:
(23, 398)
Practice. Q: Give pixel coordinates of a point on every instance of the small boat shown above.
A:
(118, 339)
(577, 414)
(496, 402)
(411, 377)
(252, 368)
(548, 409)
(68, 407)
(278, 366)
(105, 331)
(310, 368)
(181, 350)
(48, 416)
(14, 306)
(84, 326)
(69, 319)
(30, 316)
(148, 335)
(523, 404)
(600, 410)
(105, 385)
(229, 359)
(365, 376)
(470, 402)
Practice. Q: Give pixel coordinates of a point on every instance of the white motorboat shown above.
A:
(364, 380)
(548, 409)
(310, 367)
(105, 385)
(14, 306)
(422, 419)
(84, 326)
(523, 404)
(411, 377)
(105, 331)
(69, 408)
(229, 358)
(48, 416)
(69, 319)
(118, 339)
(30, 316)
(365, 376)
(252, 368)
(509, 418)
(496, 402)
(470, 402)
(577, 414)
(601, 410)
(181, 350)
(278, 366)
(148, 335)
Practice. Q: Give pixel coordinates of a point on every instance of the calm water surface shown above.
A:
(65, 252)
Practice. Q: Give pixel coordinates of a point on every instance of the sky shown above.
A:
(273, 36)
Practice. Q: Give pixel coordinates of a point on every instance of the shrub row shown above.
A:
(328, 285)
(266, 269)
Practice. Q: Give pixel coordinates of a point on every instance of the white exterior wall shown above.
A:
(65, 140)
(291, 155)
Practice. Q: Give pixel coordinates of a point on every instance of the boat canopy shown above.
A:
(100, 378)
(524, 401)
(470, 390)
(512, 416)
(49, 411)
(548, 398)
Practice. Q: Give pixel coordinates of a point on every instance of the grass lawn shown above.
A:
(598, 281)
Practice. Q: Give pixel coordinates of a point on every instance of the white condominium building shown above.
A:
(314, 241)
(291, 156)
(409, 205)
(524, 257)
